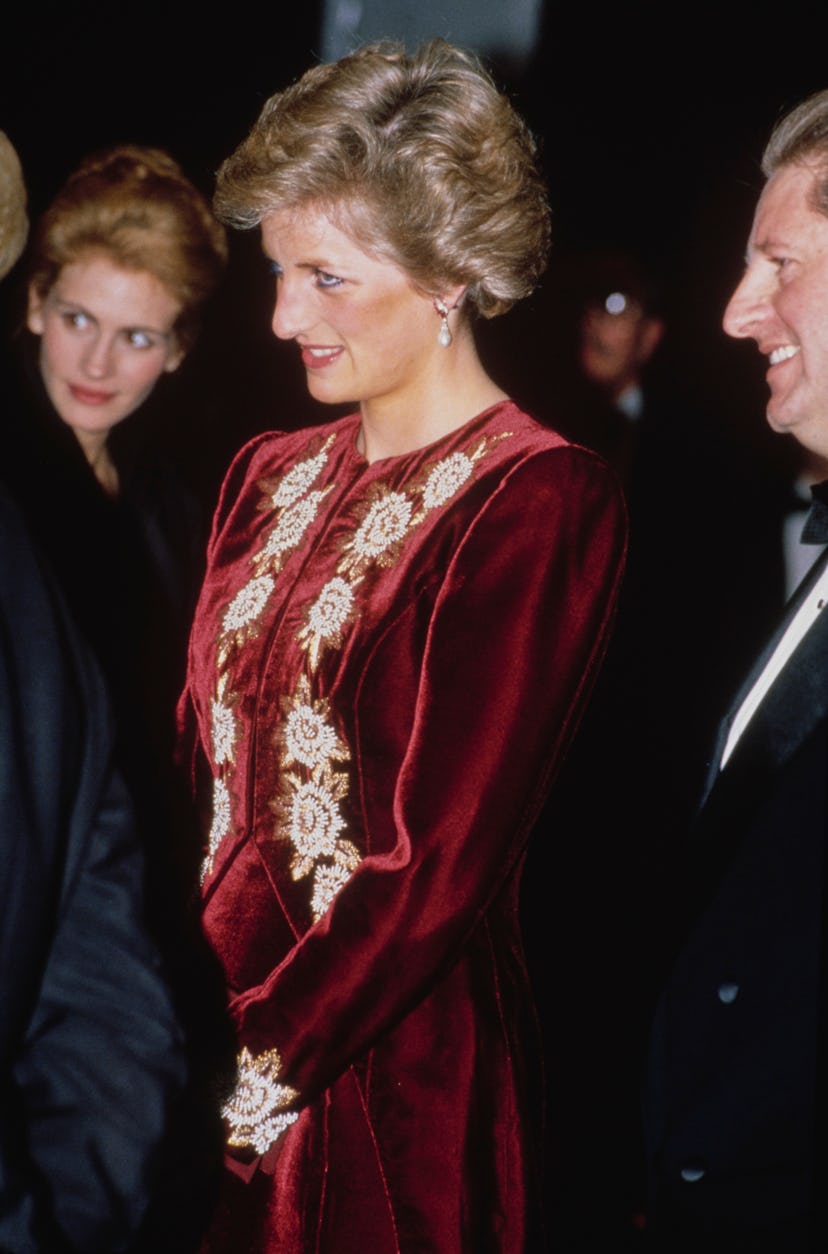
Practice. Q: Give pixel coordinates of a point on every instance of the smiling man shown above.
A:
(782, 300)
(731, 1106)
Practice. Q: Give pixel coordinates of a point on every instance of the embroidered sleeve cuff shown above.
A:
(256, 1115)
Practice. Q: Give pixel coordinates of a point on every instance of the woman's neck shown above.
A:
(444, 401)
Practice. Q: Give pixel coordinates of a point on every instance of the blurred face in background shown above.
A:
(617, 339)
(106, 337)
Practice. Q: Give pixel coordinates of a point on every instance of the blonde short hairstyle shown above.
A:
(419, 158)
(14, 224)
(134, 205)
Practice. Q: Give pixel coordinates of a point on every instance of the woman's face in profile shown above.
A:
(365, 332)
(106, 337)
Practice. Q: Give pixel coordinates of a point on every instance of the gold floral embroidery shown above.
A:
(308, 810)
(329, 877)
(312, 818)
(223, 724)
(285, 494)
(328, 617)
(389, 517)
(288, 532)
(308, 736)
(223, 735)
(446, 478)
(240, 620)
(256, 1114)
(220, 826)
(308, 813)
(380, 534)
(247, 604)
(295, 516)
(287, 488)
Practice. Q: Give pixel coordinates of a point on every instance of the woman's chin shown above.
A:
(326, 390)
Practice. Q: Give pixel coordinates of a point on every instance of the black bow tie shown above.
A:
(815, 530)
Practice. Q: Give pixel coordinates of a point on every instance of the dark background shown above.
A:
(651, 128)
(651, 125)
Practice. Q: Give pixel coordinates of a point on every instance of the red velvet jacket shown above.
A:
(386, 664)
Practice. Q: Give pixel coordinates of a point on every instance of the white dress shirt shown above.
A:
(801, 622)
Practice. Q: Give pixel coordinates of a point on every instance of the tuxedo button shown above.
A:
(692, 1171)
(727, 993)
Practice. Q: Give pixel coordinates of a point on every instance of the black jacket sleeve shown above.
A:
(90, 1052)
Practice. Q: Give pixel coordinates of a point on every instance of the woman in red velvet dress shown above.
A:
(401, 618)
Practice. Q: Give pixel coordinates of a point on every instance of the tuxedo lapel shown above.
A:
(793, 705)
(791, 712)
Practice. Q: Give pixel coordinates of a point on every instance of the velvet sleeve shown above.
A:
(513, 632)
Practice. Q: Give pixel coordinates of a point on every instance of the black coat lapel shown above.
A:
(794, 708)
(793, 704)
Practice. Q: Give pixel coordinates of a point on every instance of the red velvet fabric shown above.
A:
(386, 664)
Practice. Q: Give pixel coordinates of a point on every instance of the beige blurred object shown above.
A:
(14, 224)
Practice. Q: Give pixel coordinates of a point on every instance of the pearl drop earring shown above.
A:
(444, 336)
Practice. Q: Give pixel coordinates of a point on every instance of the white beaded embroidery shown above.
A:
(327, 617)
(245, 608)
(256, 1114)
(331, 609)
(314, 820)
(384, 525)
(299, 478)
(445, 479)
(328, 878)
(288, 532)
(309, 739)
(309, 810)
(222, 818)
(247, 604)
(223, 726)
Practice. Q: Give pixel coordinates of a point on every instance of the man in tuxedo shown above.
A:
(731, 1103)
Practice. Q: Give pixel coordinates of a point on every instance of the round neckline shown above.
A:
(423, 449)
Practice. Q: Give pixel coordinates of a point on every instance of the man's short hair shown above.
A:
(801, 137)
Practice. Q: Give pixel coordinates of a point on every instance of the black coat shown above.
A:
(128, 568)
(732, 1079)
(90, 1053)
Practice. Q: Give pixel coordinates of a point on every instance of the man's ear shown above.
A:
(651, 333)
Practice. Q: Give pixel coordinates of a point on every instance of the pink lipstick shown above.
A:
(88, 396)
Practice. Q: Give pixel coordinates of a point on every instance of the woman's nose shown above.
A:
(97, 360)
(291, 312)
